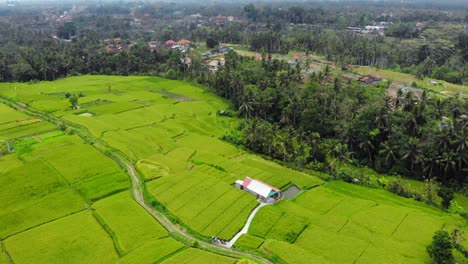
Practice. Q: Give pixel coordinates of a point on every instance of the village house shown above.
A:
(170, 43)
(153, 44)
(184, 42)
(370, 79)
(264, 192)
(186, 60)
(213, 65)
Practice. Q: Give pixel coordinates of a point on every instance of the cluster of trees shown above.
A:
(443, 244)
(321, 122)
(329, 121)
(50, 59)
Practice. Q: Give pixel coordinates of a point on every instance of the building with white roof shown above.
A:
(261, 190)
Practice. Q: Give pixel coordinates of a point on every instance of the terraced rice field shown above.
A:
(14, 124)
(342, 223)
(65, 195)
(69, 203)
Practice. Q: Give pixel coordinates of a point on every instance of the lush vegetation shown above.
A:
(342, 223)
(188, 171)
(62, 204)
(288, 88)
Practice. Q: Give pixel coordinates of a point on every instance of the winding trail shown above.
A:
(137, 192)
(245, 229)
(138, 195)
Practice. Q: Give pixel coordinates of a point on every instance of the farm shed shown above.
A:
(265, 192)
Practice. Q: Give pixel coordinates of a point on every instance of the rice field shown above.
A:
(130, 224)
(73, 239)
(344, 223)
(65, 195)
(193, 255)
(14, 124)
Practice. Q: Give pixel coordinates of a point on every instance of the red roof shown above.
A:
(184, 42)
(220, 17)
(246, 182)
(171, 42)
(296, 57)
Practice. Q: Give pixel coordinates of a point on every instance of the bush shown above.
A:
(447, 196)
(441, 247)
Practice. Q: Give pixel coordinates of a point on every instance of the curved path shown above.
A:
(137, 192)
(138, 195)
(246, 226)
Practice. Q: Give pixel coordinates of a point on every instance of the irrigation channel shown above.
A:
(137, 191)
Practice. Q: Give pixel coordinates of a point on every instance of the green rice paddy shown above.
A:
(342, 223)
(68, 202)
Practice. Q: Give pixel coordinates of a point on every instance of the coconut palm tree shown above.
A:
(412, 152)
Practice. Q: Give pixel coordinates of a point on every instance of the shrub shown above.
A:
(441, 247)
(447, 196)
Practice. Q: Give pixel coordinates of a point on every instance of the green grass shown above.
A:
(84, 168)
(27, 129)
(132, 225)
(74, 239)
(173, 138)
(290, 253)
(408, 79)
(249, 241)
(461, 201)
(152, 251)
(4, 258)
(220, 211)
(195, 256)
(35, 193)
(345, 223)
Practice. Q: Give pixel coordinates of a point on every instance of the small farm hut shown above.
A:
(261, 190)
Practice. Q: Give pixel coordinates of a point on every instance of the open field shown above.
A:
(73, 239)
(399, 77)
(193, 255)
(326, 221)
(14, 124)
(131, 225)
(171, 131)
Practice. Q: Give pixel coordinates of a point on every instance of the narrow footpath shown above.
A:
(137, 192)
(246, 226)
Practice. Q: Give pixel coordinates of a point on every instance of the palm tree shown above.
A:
(461, 139)
(367, 146)
(412, 152)
(339, 152)
(446, 162)
(389, 152)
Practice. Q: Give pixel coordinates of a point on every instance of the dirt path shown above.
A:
(138, 195)
(246, 226)
(137, 192)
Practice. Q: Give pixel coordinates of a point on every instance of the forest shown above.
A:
(317, 120)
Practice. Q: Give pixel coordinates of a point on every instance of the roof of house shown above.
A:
(213, 63)
(296, 57)
(184, 41)
(171, 42)
(259, 187)
(153, 42)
